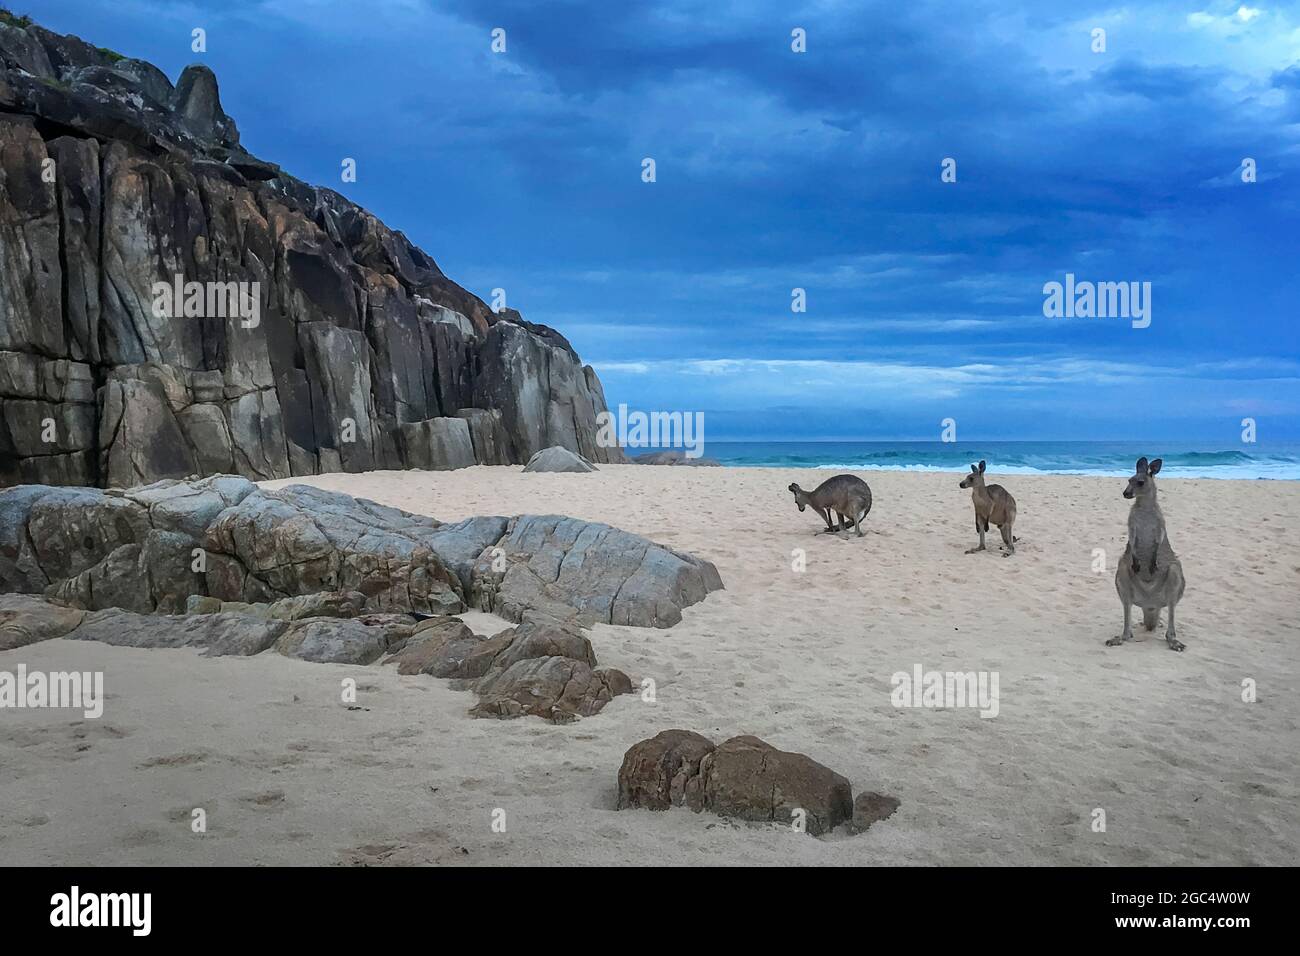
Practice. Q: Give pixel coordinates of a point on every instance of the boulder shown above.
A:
(558, 460)
(869, 808)
(456, 653)
(321, 604)
(557, 689)
(676, 458)
(655, 772)
(542, 637)
(750, 779)
(333, 641)
(487, 432)
(437, 444)
(743, 777)
(300, 540)
(588, 572)
(25, 619)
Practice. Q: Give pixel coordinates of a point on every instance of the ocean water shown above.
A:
(1181, 459)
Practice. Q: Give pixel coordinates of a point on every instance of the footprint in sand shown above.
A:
(186, 759)
(266, 800)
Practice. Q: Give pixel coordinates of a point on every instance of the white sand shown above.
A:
(1186, 772)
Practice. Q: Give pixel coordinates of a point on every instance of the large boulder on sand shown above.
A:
(588, 572)
(655, 771)
(557, 459)
(743, 777)
(557, 689)
(750, 779)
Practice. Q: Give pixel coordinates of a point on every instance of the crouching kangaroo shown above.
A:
(1149, 574)
(992, 503)
(847, 495)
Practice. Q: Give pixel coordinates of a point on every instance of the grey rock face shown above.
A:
(437, 444)
(487, 432)
(220, 634)
(363, 354)
(589, 572)
(308, 552)
(329, 641)
(557, 459)
(545, 395)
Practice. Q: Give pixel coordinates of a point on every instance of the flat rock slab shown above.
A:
(223, 634)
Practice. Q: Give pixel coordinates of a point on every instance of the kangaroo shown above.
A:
(992, 503)
(847, 495)
(1149, 574)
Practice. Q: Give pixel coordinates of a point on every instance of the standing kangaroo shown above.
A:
(992, 503)
(1149, 574)
(847, 495)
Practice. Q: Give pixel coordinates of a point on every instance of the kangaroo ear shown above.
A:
(974, 469)
(982, 464)
(1142, 464)
(1155, 466)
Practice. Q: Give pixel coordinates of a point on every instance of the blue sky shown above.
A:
(818, 170)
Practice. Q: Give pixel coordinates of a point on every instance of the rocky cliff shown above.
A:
(340, 347)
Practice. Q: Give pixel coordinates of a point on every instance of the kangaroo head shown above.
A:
(976, 477)
(800, 496)
(1143, 482)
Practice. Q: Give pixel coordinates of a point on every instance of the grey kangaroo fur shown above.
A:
(1149, 574)
(847, 495)
(992, 503)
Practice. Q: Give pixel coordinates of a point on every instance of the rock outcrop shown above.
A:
(318, 339)
(164, 547)
(745, 778)
(676, 458)
(588, 572)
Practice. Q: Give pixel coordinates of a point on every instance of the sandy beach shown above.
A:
(1186, 772)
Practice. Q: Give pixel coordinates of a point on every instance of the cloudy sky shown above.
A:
(819, 170)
